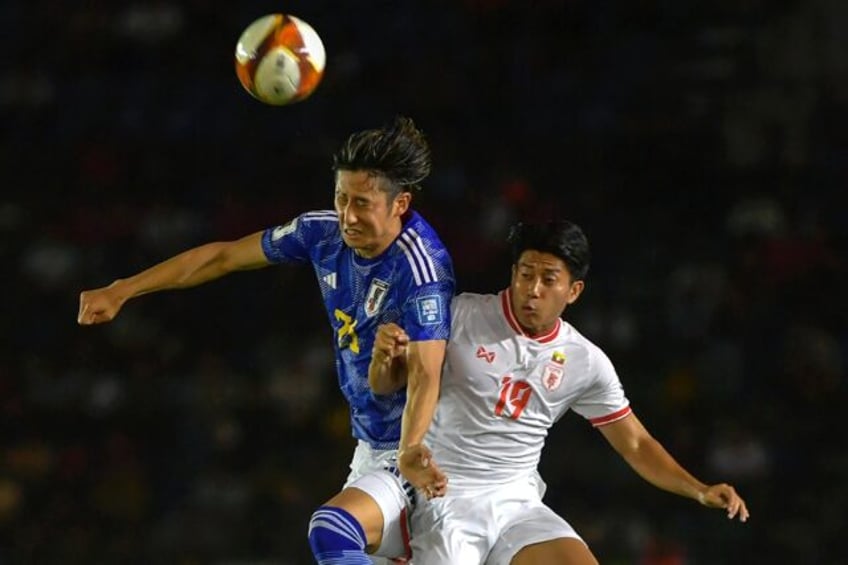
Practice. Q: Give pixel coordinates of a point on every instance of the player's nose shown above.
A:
(534, 289)
(348, 216)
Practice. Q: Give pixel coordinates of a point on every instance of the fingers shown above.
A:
(82, 317)
(438, 486)
(391, 340)
(737, 507)
(743, 511)
(417, 465)
(435, 490)
(725, 496)
(392, 333)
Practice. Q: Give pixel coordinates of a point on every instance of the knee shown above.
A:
(334, 528)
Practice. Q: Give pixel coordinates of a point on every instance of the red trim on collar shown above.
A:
(506, 303)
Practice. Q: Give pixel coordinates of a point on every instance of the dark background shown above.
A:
(702, 145)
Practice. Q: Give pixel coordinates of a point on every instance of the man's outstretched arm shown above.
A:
(189, 268)
(653, 463)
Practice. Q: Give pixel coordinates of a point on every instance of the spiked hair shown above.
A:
(398, 152)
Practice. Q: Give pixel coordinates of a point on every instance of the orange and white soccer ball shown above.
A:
(280, 59)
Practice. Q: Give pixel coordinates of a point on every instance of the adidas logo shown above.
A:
(330, 280)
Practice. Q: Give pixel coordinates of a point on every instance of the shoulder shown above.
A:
(597, 360)
(416, 229)
(324, 221)
(472, 300)
(470, 303)
(422, 252)
(315, 225)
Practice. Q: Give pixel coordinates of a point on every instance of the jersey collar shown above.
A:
(506, 303)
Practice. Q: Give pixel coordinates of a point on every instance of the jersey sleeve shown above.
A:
(604, 401)
(427, 311)
(292, 242)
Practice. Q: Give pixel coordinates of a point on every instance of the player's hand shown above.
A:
(724, 496)
(390, 342)
(417, 466)
(99, 305)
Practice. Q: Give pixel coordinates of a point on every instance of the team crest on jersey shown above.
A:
(376, 295)
(552, 377)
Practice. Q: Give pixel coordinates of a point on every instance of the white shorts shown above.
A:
(485, 526)
(374, 471)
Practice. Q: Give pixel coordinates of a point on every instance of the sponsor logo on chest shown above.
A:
(482, 353)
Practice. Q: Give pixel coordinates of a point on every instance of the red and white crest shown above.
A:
(552, 377)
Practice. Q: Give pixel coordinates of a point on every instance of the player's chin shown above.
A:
(352, 239)
(528, 318)
(358, 242)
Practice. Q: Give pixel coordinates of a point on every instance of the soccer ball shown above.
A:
(280, 59)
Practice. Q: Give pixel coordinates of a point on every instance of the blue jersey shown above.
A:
(411, 284)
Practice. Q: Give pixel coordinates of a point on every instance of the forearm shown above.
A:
(385, 376)
(422, 393)
(190, 268)
(654, 464)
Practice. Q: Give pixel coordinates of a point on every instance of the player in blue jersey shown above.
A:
(376, 262)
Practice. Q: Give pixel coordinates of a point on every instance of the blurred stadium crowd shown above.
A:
(702, 145)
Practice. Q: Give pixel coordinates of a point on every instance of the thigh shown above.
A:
(563, 551)
(533, 533)
(380, 500)
(450, 531)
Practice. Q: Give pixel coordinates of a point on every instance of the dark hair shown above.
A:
(559, 237)
(398, 152)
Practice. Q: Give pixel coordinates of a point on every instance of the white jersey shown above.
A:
(502, 390)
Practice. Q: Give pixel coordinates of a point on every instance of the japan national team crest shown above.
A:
(376, 295)
(552, 377)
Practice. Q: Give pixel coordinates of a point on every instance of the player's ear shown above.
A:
(574, 291)
(402, 202)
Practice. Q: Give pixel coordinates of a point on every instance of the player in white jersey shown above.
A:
(513, 368)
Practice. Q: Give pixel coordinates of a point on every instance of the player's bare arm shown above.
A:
(387, 370)
(653, 463)
(190, 268)
(424, 366)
